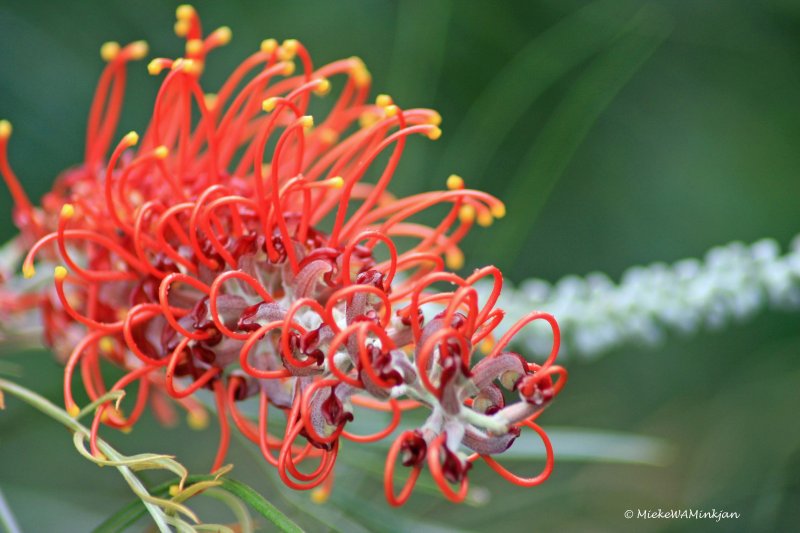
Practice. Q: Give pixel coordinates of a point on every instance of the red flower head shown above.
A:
(192, 261)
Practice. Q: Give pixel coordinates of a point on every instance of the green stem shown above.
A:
(56, 413)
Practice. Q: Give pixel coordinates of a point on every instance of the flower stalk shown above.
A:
(59, 415)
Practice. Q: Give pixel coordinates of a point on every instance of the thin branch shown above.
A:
(56, 413)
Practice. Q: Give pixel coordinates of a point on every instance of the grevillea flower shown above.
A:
(191, 261)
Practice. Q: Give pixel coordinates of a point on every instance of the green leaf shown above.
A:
(7, 519)
(594, 446)
(520, 83)
(384, 518)
(589, 96)
(260, 504)
(128, 515)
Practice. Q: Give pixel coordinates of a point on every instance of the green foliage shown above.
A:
(131, 513)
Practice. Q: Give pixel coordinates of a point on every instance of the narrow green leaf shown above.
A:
(384, 518)
(330, 517)
(595, 446)
(239, 509)
(548, 158)
(535, 68)
(419, 48)
(128, 515)
(7, 519)
(260, 504)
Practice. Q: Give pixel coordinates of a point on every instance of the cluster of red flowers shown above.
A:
(191, 262)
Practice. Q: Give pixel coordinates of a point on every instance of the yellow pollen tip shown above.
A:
(487, 344)
(435, 119)
(28, 271)
(155, 67)
(269, 45)
(454, 181)
(361, 75)
(138, 50)
(181, 28)
(454, 259)
(485, 219)
(307, 121)
(391, 110)
(174, 490)
(383, 100)
(269, 104)
(197, 420)
(210, 99)
(131, 138)
(73, 410)
(60, 273)
(189, 66)
(367, 119)
(337, 182)
(68, 211)
(184, 11)
(194, 47)
(5, 129)
(319, 495)
(109, 51)
(466, 213)
(288, 49)
(198, 67)
(434, 133)
(223, 35)
(106, 345)
(126, 429)
(161, 152)
(498, 210)
(323, 87)
(289, 69)
(328, 136)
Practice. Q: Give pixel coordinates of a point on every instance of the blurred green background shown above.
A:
(618, 133)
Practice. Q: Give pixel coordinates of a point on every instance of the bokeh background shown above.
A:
(618, 132)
